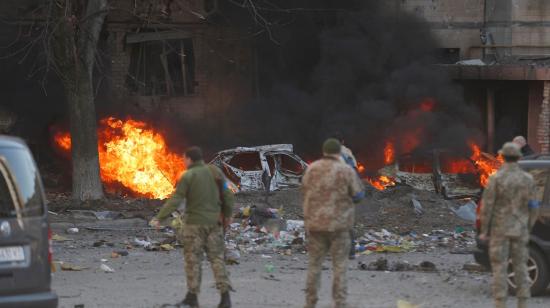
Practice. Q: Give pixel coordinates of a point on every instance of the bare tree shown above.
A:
(75, 27)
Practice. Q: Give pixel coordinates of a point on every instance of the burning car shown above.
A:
(443, 172)
(269, 167)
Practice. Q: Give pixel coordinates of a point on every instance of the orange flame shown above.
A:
(487, 165)
(389, 153)
(135, 156)
(382, 182)
(63, 140)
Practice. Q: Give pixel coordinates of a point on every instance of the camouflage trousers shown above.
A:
(501, 249)
(318, 245)
(196, 240)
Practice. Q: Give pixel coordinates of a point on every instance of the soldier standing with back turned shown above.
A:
(507, 216)
(330, 189)
(208, 210)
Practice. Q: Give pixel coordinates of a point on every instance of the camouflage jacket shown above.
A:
(506, 202)
(330, 187)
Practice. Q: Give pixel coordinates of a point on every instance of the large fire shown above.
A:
(483, 164)
(134, 155)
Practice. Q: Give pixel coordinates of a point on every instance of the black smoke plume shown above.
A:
(364, 69)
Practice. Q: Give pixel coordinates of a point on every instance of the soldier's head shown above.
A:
(332, 147)
(192, 155)
(520, 141)
(511, 152)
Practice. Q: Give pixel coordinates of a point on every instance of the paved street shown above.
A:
(151, 279)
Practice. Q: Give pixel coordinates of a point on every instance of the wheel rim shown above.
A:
(532, 272)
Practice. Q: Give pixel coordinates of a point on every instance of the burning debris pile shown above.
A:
(132, 155)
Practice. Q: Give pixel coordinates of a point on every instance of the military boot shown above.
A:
(225, 301)
(522, 302)
(500, 303)
(190, 301)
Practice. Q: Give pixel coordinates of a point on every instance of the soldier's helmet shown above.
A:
(510, 149)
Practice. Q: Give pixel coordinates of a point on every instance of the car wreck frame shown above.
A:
(449, 185)
(268, 167)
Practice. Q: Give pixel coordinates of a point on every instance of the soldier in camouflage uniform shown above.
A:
(508, 215)
(208, 210)
(330, 188)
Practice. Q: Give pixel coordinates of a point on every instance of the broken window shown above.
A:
(248, 161)
(161, 66)
(289, 164)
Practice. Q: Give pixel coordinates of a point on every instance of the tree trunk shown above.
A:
(85, 160)
(74, 48)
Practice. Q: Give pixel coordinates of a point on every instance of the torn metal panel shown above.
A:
(254, 168)
(432, 177)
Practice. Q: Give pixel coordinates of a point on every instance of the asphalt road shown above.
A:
(151, 279)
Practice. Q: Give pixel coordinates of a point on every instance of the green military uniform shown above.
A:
(329, 187)
(202, 230)
(507, 217)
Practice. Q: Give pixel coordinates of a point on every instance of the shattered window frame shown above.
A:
(162, 67)
(283, 157)
(257, 165)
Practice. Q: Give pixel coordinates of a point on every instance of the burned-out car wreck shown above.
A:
(444, 172)
(268, 167)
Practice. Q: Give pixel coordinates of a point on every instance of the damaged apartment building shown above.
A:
(166, 57)
(499, 50)
(170, 57)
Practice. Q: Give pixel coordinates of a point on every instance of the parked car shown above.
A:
(539, 243)
(25, 251)
(258, 168)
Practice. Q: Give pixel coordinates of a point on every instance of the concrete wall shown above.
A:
(514, 23)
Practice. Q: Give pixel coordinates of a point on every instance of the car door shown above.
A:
(24, 257)
(542, 194)
(244, 168)
(287, 169)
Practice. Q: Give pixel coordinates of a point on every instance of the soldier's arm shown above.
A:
(357, 189)
(534, 206)
(228, 196)
(172, 204)
(487, 205)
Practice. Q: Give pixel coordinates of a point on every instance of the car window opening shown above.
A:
(249, 161)
(289, 164)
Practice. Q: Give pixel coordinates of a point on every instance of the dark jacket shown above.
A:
(199, 189)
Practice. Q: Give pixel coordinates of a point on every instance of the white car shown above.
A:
(268, 167)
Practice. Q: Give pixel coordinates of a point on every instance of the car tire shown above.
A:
(542, 276)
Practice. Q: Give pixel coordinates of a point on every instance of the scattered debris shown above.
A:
(105, 268)
(166, 247)
(72, 230)
(382, 264)
(102, 243)
(474, 267)
(466, 211)
(270, 277)
(270, 268)
(71, 267)
(417, 207)
(59, 238)
(404, 304)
